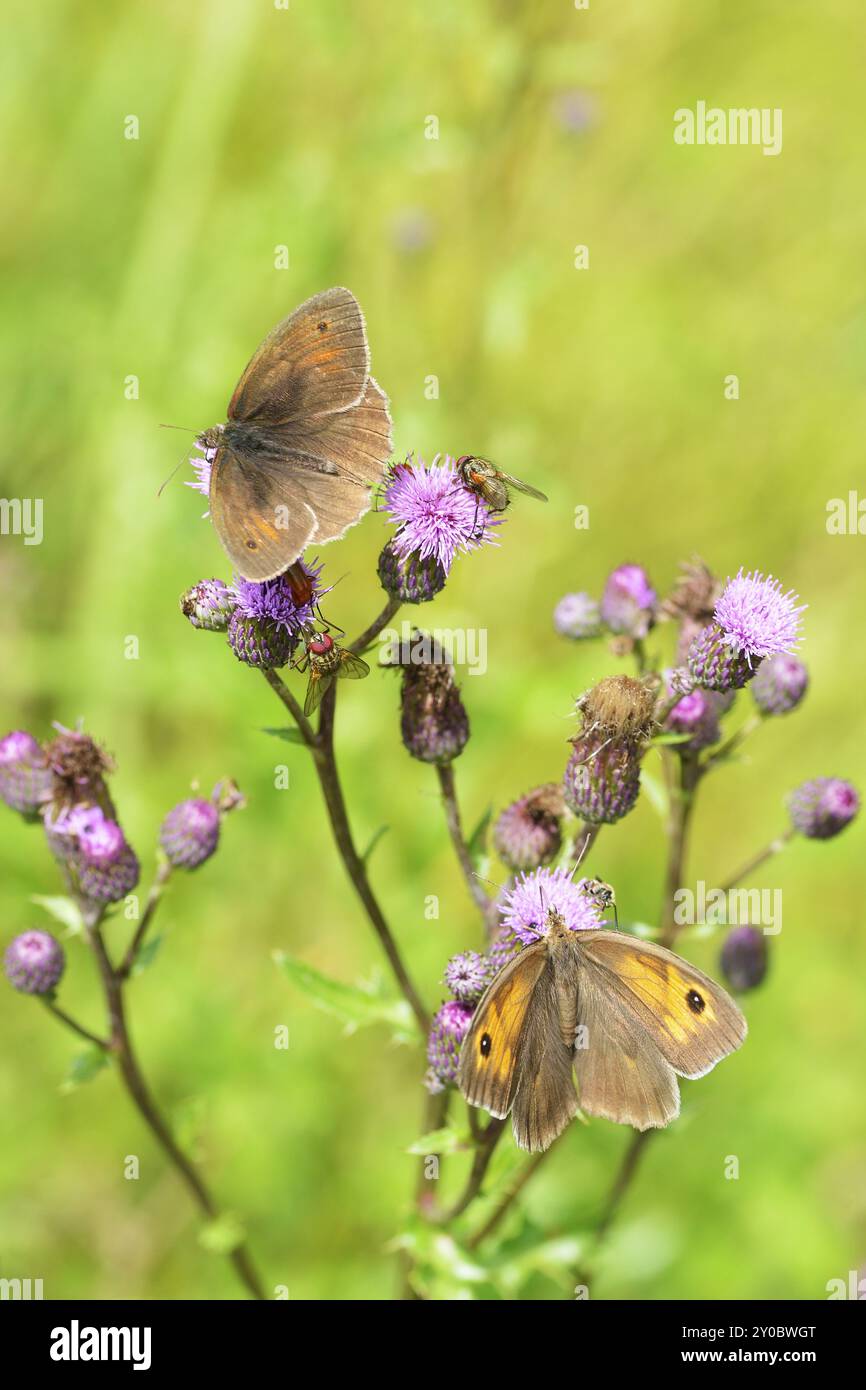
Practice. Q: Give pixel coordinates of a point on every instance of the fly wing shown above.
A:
(520, 486)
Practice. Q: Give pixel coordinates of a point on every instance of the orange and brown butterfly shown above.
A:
(308, 438)
(327, 662)
(620, 1016)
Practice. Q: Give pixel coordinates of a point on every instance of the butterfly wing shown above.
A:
(621, 1074)
(246, 502)
(314, 362)
(491, 1049)
(545, 1100)
(316, 482)
(692, 1021)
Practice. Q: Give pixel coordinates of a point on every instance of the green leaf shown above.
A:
(290, 735)
(440, 1141)
(222, 1235)
(85, 1066)
(656, 793)
(383, 830)
(147, 954)
(671, 737)
(477, 845)
(356, 1006)
(64, 910)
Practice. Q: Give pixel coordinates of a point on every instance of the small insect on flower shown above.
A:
(327, 662)
(490, 484)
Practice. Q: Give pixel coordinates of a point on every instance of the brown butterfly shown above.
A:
(327, 662)
(624, 1015)
(308, 437)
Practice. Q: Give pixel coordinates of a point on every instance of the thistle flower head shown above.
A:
(433, 721)
(697, 713)
(408, 577)
(78, 767)
(601, 782)
(208, 605)
(25, 779)
(503, 948)
(744, 958)
(528, 833)
(823, 807)
(467, 976)
(629, 602)
(287, 602)
(577, 616)
(34, 962)
(757, 617)
(780, 685)
(525, 907)
(449, 1028)
(436, 515)
(694, 595)
(190, 833)
(620, 707)
(201, 467)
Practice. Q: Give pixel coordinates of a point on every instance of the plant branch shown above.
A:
(163, 874)
(477, 1173)
(445, 773)
(369, 635)
(773, 848)
(121, 1046)
(76, 1027)
(282, 692)
(501, 1210)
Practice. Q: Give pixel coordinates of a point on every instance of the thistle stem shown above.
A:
(445, 773)
(768, 852)
(480, 1163)
(163, 874)
(76, 1027)
(120, 1045)
(501, 1210)
(369, 635)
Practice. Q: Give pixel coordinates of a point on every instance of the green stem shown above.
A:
(163, 874)
(445, 773)
(768, 852)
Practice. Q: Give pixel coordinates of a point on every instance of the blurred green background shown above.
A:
(305, 127)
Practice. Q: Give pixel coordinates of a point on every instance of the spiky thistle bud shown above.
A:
(823, 807)
(25, 778)
(208, 605)
(410, 578)
(34, 962)
(780, 685)
(744, 958)
(449, 1028)
(528, 833)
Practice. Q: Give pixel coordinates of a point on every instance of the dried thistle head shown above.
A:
(620, 707)
(694, 595)
(78, 768)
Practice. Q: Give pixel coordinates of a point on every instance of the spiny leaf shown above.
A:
(64, 910)
(84, 1067)
(356, 1006)
(289, 735)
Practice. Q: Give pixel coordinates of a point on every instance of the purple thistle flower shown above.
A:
(190, 833)
(744, 957)
(756, 617)
(504, 947)
(449, 1028)
(525, 906)
(577, 616)
(34, 962)
(528, 833)
(25, 778)
(437, 516)
(277, 601)
(208, 605)
(821, 808)
(202, 469)
(780, 684)
(697, 713)
(629, 602)
(109, 884)
(101, 842)
(467, 976)
(602, 777)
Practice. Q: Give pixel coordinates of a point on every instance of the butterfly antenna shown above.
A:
(178, 465)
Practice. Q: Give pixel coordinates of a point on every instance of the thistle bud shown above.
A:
(34, 962)
(528, 833)
(434, 724)
(409, 578)
(260, 642)
(629, 602)
(577, 616)
(25, 779)
(190, 833)
(467, 976)
(715, 665)
(208, 605)
(744, 958)
(450, 1026)
(780, 685)
(602, 778)
(823, 807)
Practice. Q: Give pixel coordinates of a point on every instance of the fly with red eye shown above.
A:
(327, 662)
(490, 485)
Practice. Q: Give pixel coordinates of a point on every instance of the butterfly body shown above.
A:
(308, 438)
(620, 1016)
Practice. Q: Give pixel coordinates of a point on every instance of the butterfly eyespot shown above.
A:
(484, 1045)
(251, 545)
(323, 327)
(695, 1001)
